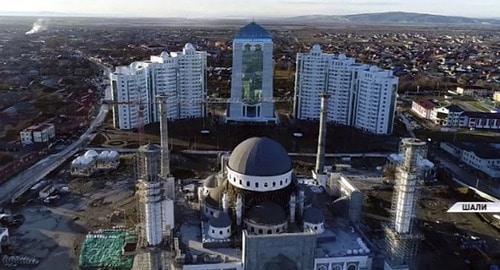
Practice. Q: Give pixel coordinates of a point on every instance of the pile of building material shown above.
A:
(107, 250)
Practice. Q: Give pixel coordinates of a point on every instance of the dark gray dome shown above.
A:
(260, 157)
(313, 215)
(253, 30)
(267, 213)
(222, 221)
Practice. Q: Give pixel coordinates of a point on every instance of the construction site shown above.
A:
(129, 201)
(141, 211)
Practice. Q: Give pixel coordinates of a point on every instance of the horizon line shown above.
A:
(56, 14)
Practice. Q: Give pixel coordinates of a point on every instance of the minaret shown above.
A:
(150, 195)
(320, 157)
(165, 151)
(225, 203)
(301, 202)
(402, 236)
(292, 203)
(239, 209)
(319, 171)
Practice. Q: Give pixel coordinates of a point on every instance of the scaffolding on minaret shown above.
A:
(402, 236)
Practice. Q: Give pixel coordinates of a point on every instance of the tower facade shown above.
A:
(402, 237)
(156, 210)
(362, 96)
(252, 77)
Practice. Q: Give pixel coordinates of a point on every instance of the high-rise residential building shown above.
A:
(252, 77)
(361, 96)
(180, 76)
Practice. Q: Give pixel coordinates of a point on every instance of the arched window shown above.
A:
(265, 184)
(220, 232)
(269, 231)
(351, 267)
(281, 182)
(274, 184)
(260, 231)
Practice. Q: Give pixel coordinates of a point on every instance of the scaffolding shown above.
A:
(402, 236)
(155, 207)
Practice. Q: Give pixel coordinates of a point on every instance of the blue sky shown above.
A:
(252, 8)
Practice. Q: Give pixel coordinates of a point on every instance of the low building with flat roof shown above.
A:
(481, 156)
(41, 133)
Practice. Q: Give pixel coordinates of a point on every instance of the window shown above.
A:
(260, 231)
(269, 231)
(248, 183)
(220, 232)
(256, 185)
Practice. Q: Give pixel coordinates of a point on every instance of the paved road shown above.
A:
(23, 181)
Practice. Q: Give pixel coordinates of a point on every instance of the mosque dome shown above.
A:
(267, 213)
(313, 215)
(221, 221)
(260, 156)
(253, 31)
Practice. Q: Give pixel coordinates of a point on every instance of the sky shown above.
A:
(252, 8)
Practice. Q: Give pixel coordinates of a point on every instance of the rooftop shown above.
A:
(253, 31)
(482, 150)
(340, 242)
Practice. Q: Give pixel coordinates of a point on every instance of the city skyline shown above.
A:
(258, 9)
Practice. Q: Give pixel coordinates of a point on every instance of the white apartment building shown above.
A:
(362, 96)
(181, 76)
(41, 133)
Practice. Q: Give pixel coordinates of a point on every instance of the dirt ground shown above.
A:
(53, 233)
(441, 231)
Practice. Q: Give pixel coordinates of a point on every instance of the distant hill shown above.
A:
(391, 18)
